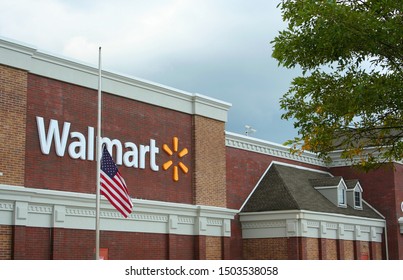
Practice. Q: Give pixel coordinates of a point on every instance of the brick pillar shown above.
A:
(6, 242)
(19, 239)
(375, 251)
(322, 249)
(214, 248)
(57, 243)
(357, 250)
(209, 175)
(226, 248)
(303, 248)
(173, 245)
(296, 248)
(200, 247)
(328, 249)
(340, 249)
(13, 104)
(209, 162)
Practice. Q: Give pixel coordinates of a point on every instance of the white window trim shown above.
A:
(358, 189)
(342, 189)
(352, 192)
(360, 199)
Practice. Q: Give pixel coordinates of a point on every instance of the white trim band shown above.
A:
(301, 223)
(247, 143)
(59, 209)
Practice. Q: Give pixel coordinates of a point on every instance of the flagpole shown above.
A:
(98, 157)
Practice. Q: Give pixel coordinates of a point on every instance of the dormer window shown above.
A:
(341, 190)
(333, 188)
(354, 194)
(357, 199)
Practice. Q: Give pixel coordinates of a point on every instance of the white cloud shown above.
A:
(217, 48)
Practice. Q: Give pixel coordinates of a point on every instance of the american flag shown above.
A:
(113, 186)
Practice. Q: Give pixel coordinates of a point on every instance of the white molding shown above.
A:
(19, 55)
(50, 208)
(248, 143)
(301, 223)
(400, 220)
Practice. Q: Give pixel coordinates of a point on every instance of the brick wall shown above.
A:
(31, 243)
(214, 248)
(376, 251)
(123, 119)
(236, 240)
(309, 249)
(244, 169)
(13, 102)
(329, 249)
(383, 189)
(209, 162)
(312, 248)
(361, 250)
(209, 177)
(348, 249)
(56, 243)
(128, 121)
(265, 249)
(181, 247)
(5, 242)
(138, 246)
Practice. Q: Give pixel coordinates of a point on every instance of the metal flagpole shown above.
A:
(98, 157)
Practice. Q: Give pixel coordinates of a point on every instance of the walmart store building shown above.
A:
(199, 192)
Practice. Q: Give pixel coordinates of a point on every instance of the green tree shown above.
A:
(350, 95)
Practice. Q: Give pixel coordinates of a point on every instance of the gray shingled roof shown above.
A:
(326, 181)
(351, 183)
(286, 187)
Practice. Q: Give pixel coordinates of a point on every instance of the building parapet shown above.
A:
(41, 63)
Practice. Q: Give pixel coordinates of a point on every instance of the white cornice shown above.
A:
(247, 143)
(338, 161)
(18, 55)
(50, 208)
(256, 145)
(301, 223)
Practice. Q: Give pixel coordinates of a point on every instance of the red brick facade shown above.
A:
(244, 169)
(123, 119)
(219, 177)
(54, 243)
(383, 189)
(5, 242)
(13, 102)
(209, 162)
(297, 248)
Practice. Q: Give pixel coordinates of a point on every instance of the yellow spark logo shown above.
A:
(181, 154)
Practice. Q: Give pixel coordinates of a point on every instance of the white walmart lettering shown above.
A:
(83, 148)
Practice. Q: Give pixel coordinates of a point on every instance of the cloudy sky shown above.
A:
(218, 48)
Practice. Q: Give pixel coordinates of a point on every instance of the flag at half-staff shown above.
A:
(113, 186)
